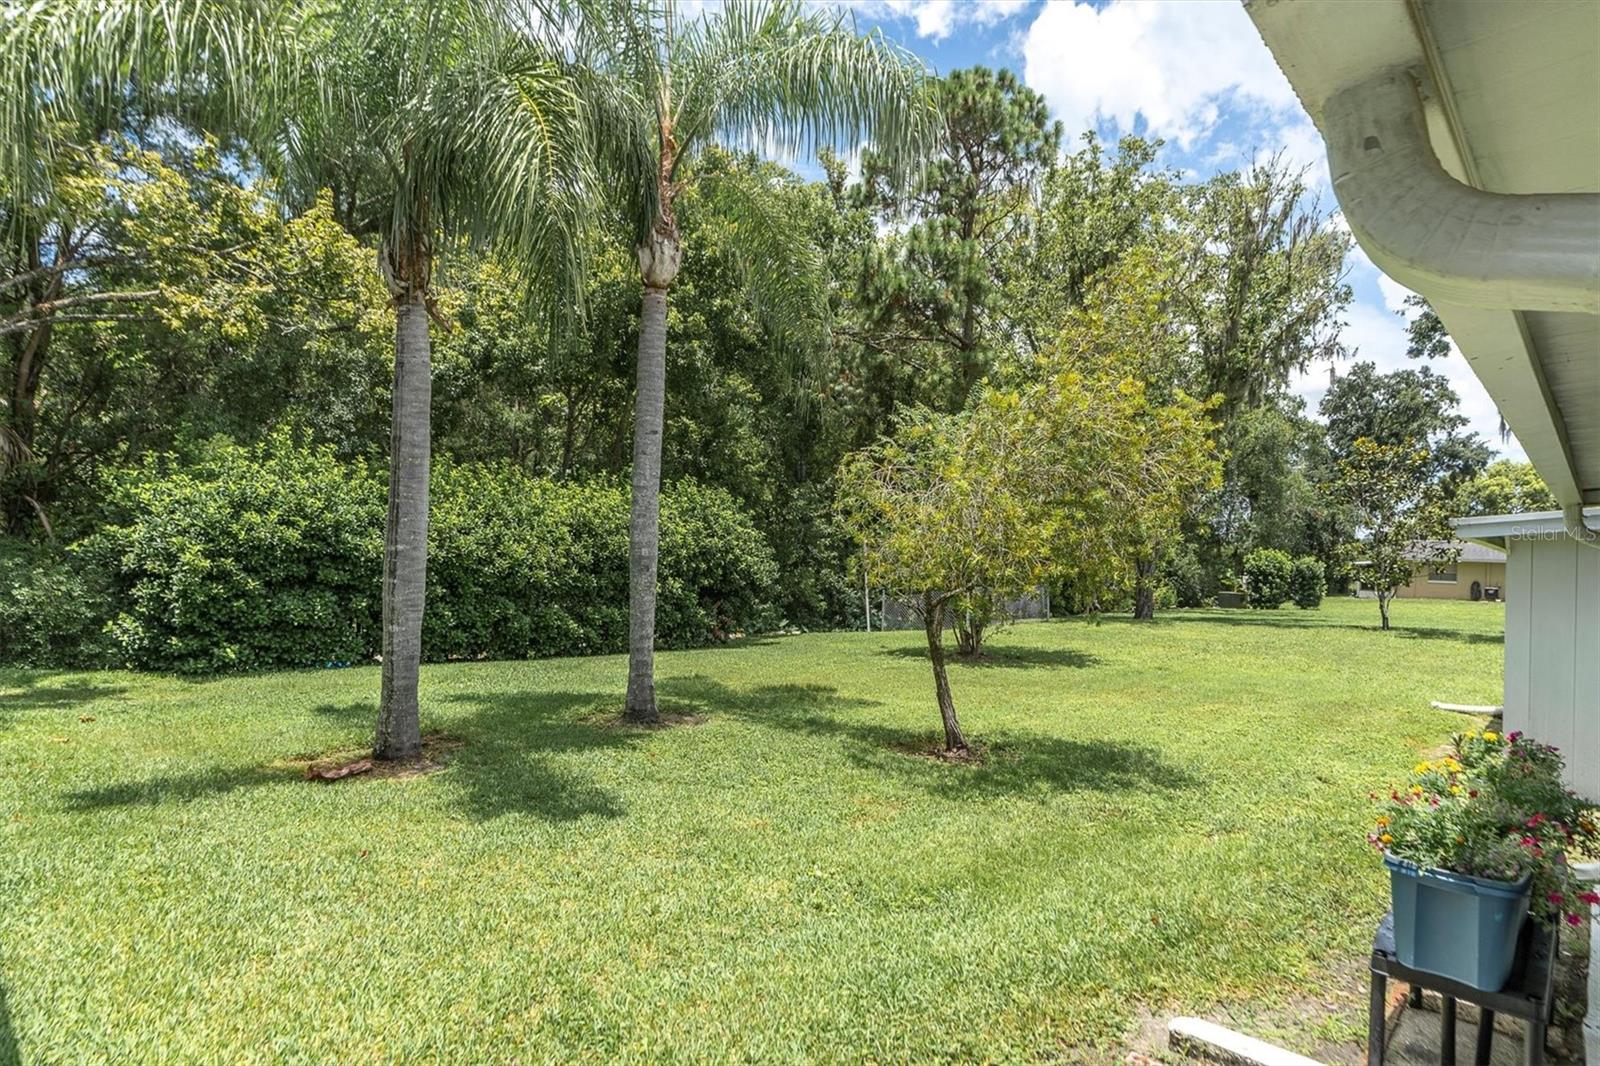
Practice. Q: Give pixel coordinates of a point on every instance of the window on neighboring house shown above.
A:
(1443, 574)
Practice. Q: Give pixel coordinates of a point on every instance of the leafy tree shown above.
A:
(934, 290)
(1504, 487)
(1265, 287)
(1398, 507)
(760, 69)
(1095, 207)
(1426, 337)
(170, 302)
(1405, 407)
(1052, 476)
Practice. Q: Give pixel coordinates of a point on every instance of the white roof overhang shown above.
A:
(1464, 147)
(1495, 529)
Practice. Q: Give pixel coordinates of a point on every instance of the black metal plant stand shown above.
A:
(1527, 995)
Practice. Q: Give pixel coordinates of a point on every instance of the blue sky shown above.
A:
(1192, 72)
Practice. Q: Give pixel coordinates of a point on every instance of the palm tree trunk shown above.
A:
(405, 537)
(933, 625)
(644, 533)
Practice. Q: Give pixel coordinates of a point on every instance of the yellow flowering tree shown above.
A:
(1050, 477)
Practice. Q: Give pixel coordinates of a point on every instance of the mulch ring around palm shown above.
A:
(346, 763)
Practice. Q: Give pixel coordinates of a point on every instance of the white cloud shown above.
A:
(1171, 63)
(936, 19)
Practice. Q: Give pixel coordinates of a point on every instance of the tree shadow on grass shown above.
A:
(1017, 763)
(510, 761)
(180, 788)
(42, 695)
(356, 712)
(1002, 655)
(515, 760)
(1298, 619)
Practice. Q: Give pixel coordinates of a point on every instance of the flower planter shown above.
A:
(1460, 927)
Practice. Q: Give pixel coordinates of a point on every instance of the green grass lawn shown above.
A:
(1170, 819)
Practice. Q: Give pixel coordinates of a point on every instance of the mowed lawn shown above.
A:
(1170, 818)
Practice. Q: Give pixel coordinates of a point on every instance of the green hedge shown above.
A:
(269, 557)
(249, 559)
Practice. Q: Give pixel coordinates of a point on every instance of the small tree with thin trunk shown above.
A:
(1400, 511)
(1045, 479)
(943, 511)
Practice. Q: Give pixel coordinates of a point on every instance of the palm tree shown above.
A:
(764, 72)
(430, 121)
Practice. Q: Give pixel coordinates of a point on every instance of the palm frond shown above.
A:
(778, 75)
(78, 65)
(783, 270)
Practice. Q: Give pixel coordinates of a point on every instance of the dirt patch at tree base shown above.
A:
(976, 753)
(358, 763)
(666, 720)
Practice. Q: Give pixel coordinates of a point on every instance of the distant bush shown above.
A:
(1267, 573)
(1307, 582)
(271, 556)
(52, 612)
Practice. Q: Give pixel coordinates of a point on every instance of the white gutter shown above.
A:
(1433, 234)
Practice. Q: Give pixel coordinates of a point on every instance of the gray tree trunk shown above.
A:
(1383, 608)
(644, 533)
(405, 536)
(933, 625)
(1144, 588)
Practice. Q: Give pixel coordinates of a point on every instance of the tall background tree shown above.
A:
(1399, 513)
(933, 293)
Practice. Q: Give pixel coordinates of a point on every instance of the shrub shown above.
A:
(52, 609)
(1267, 572)
(271, 557)
(1307, 582)
(253, 558)
(520, 566)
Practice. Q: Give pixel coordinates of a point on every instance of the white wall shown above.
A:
(1553, 650)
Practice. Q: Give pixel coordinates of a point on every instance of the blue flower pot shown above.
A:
(1460, 927)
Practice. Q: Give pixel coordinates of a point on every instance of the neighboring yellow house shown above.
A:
(1479, 574)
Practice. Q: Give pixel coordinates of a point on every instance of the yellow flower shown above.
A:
(1386, 839)
(1416, 790)
(1491, 736)
(1420, 768)
(1473, 735)
(1383, 819)
(1455, 790)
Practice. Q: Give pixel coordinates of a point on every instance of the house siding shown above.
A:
(1486, 574)
(1552, 682)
